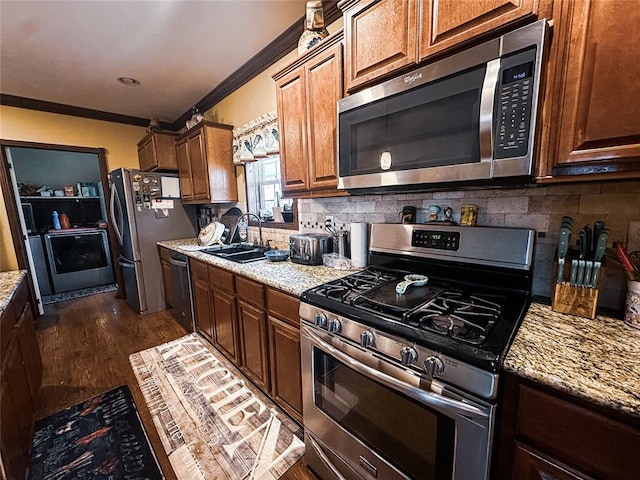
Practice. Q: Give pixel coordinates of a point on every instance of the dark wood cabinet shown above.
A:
(595, 133)
(381, 38)
(545, 432)
(157, 151)
(252, 320)
(202, 299)
(284, 351)
(167, 275)
(20, 378)
(205, 164)
(225, 319)
(449, 23)
(306, 94)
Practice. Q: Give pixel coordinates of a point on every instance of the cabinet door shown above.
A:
(225, 323)
(202, 306)
(221, 184)
(286, 372)
(167, 282)
(184, 168)
(30, 351)
(447, 23)
(528, 465)
(199, 167)
(290, 96)
(253, 341)
(15, 458)
(380, 38)
(597, 101)
(324, 89)
(147, 155)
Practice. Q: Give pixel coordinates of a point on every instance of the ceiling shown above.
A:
(72, 52)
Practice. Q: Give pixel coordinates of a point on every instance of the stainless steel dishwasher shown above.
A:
(182, 310)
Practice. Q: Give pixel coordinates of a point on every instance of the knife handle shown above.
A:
(574, 272)
(560, 274)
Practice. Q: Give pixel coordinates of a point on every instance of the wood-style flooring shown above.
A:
(85, 345)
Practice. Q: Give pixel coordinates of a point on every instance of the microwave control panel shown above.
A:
(514, 98)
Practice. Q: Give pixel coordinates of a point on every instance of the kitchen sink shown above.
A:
(240, 253)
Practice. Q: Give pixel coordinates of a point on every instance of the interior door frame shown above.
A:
(11, 203)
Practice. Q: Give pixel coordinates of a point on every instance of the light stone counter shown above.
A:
(287, 276)
(9, 282)
(597, 360)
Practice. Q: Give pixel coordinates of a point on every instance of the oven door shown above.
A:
(367, 418)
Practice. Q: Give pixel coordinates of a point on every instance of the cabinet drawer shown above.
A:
(223, 279)
(529, 464)
(199, 269)
(283, 306)
(604, 447)
(250, 291)
(165, 254)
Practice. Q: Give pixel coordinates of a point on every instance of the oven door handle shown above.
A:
(428, 398)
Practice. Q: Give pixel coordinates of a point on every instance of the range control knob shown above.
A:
(320, 319)
(408, 355)
(334, 326)
(366, 339)
(433, 366)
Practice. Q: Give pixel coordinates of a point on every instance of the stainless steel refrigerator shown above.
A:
(145, 208)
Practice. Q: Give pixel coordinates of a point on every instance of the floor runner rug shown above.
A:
(101, 438)
(214, 424)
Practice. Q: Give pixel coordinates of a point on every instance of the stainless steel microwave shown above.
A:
(468, 117)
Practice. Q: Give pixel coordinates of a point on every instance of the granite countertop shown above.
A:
(290, 277)
(597, 360)
(9, 282)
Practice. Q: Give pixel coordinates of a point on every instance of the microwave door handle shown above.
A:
(428, 398)
(487, 102)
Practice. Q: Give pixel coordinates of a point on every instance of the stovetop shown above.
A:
(471, 305)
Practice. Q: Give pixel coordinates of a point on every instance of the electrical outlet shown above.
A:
(633, 237)
(328, 221)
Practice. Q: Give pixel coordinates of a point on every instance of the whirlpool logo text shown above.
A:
(409, 79)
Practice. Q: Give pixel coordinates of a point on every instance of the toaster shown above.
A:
(308, 248)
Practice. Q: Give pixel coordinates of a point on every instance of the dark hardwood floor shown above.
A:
(85, 345)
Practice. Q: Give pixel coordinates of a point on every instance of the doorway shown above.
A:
(54, 196)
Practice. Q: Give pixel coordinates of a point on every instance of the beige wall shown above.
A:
(120, 142)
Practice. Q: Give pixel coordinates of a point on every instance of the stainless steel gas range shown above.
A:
(401, 375)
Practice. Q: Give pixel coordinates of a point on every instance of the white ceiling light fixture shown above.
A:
(131, 82)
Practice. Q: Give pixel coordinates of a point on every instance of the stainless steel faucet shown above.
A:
(259, 224)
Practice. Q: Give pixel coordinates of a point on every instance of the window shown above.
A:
(264, 194)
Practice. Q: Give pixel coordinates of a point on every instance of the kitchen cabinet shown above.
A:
(284, 351)
(201, 299)
(548, 434)
(306, 94)
(225, 320)
(252, 320)
(386, 36)
(20, 378)
(205, 164)
(157, 151)
(167, 275)
(593, 100)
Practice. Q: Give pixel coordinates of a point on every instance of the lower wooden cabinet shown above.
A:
(167, 275)
(20, 378)
(551, 435)
(255, 326)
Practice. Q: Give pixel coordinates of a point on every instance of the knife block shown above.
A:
(566, 298)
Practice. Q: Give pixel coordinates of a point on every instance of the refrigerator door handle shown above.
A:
(116, 225)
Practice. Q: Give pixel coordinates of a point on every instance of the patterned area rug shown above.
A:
(213, 423)
(101, 439)
(83, 292)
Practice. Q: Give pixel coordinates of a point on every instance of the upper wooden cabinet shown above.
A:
(307, 91)
(205, 162)
(447, 23)
(385, 36)
(381, 37)
(157, 151)
(594, 107)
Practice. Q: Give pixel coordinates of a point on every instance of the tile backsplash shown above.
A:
(538, 207)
